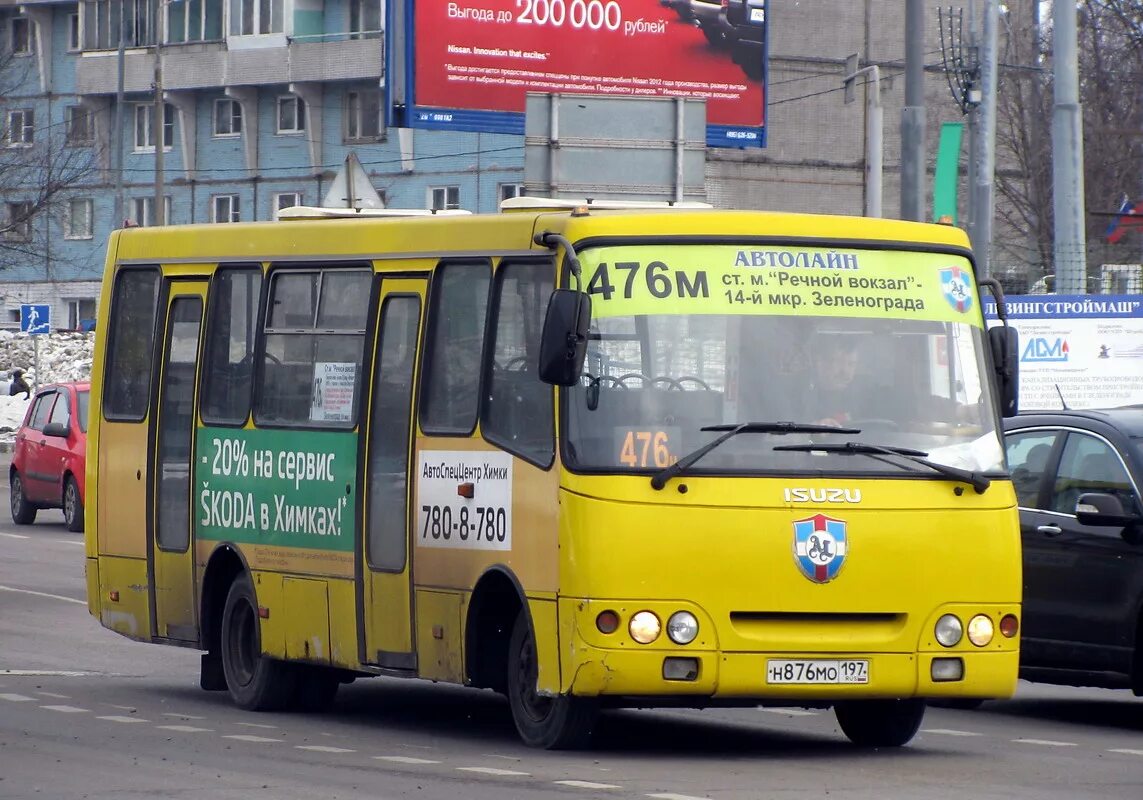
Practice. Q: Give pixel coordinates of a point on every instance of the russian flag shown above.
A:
(1128, 218)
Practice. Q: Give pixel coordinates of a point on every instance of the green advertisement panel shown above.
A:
(767, 279)
(275, 487)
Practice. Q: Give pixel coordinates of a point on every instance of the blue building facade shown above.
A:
(262, 102)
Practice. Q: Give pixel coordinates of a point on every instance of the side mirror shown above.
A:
(1005, 345)
(563, 345)
(1097, 508)
(56, 429)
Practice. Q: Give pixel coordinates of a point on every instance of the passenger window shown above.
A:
(42, 411)
(61, 413)
(233, 326)
(127, 376)
(1028, 455)
(1088, 464)
(451, 387)
(311, 366)
(517, 411)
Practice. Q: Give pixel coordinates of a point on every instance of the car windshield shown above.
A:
(689, 336)
(81, 399)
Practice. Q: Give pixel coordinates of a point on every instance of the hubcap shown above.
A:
(70, 501)
(17, 495)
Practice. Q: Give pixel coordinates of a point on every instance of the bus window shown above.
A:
(314, 337)
(228, 372)
(517, 411)
(456, 342)
(127, 380)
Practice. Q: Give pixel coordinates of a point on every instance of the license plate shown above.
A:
(817, 671)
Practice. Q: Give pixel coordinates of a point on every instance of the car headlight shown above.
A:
(645, 627)
(682, 627)
(948, 630)
(980, 630)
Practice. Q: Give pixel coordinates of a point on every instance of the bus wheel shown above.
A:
(555, 723)
(256, 683)
(880, 723)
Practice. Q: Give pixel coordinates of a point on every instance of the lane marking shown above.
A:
(66, 709)
(1045, 742)
(793, 712)
(588, 785)
(180, 716)
(406, 760)
(119, 718)
(16, 698)
(244, 737)
(15, 536)
(184, 729)
(321, 748)
(257, 725)
(44, 594)
(949, 732)
(669, 796)
(71, 541)
(45, 673)
(1127, 751)
(53, 694)
(492, 771)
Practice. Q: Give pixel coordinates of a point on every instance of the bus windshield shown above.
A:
(689, 336)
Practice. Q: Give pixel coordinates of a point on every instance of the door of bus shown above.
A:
(385, 593)
(174, 606)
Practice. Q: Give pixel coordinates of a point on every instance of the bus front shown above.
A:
(784, 483)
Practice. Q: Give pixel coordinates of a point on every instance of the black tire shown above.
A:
(23, 512)
(563, 722)
(72, 506)
(315, 687)
(880, 723)
(255, 682)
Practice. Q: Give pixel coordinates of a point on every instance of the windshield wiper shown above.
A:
(973, 479)
(732, 429)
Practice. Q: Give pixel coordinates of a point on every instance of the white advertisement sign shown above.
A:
(332, 397)
(464, 500)
(1082, 350)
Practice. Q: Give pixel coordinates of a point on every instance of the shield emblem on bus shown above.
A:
(819, 547)
(956, 288)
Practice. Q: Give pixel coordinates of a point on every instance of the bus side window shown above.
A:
(127, 374)
(451, 377)
(233, 325)
(517, 413)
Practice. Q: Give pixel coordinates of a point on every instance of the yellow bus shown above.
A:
(586, 456)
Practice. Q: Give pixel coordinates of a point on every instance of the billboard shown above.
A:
(469, 64)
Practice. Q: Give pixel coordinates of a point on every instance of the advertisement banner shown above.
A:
(1082, 350)
(474, 61)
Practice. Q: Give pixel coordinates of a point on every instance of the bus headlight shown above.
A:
(948, 630)
(682, 627)
(980, 630)
(645, 627)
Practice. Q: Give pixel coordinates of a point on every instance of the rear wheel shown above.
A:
(556, 723)
(880, 723)
(255, 682)
(23, 512)
(72, 506)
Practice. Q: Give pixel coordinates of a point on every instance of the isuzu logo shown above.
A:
(822, 495)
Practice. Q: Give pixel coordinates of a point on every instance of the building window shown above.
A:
(18, 221)
(364, 19)
(510, 190)
(444, 197)
(73, 40)
(80, 312)
(101, 25)
(227, 118)
(194, 20)
(249, 17)
(363, 115)
(21, 36)
(80, 128)
(291, 114)
(21, 127)
(79, 211)
(224, 208)
(145, 127)
(286, 200)
(143, 210)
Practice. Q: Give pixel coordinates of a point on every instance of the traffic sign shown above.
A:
(35, 318)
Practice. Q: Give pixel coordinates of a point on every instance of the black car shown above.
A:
(1078, 475)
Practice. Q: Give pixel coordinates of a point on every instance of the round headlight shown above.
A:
(948, 630)
(645, 627)
(682, 627)
(980, 630)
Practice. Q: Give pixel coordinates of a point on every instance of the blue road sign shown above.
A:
(35, 318)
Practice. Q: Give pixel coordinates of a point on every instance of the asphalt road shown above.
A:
(85, 713)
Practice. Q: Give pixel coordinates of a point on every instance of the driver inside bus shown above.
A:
(833, 395)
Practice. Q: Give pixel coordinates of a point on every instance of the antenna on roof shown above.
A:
(1063, 402)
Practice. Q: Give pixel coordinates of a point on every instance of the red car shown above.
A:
(51, 449)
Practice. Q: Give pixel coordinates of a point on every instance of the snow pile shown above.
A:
(63, 357)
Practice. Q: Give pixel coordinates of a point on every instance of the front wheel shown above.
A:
(554, 723)
(23, 512)
(880, 723)
(72, 506)
(256, 683)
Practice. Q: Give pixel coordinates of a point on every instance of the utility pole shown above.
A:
(1070, 245)
(984, 142)
(913, 114)
(117, 123)
(159, 128)
(874, 128)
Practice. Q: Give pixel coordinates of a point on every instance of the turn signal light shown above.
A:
(1009, 626)
(607, 622)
